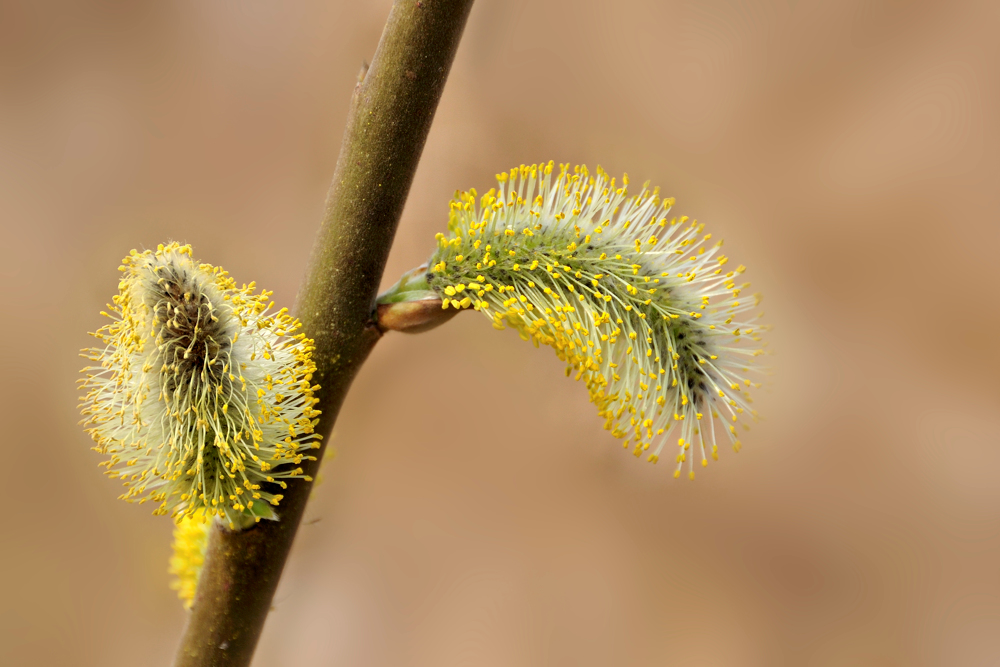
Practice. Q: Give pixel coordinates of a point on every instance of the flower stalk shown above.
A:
(391, 113)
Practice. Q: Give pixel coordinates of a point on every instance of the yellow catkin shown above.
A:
(641, 304)
(201, 397)
(190, 540)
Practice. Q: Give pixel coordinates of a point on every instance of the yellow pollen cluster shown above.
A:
(202, 396)
(640, 304)
(190, 540)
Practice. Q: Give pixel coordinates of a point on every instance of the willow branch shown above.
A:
(391, 112)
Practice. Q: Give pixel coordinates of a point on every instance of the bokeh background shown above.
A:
(476, 513)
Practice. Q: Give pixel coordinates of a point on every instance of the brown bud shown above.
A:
(412, 316)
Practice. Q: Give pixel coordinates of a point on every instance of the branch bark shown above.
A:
(391, 113)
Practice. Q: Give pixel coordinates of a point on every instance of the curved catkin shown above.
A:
(642, 306)
(202, 397)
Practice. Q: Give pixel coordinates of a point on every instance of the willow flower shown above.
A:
(201, 398)
(642, 306)
(190, 543)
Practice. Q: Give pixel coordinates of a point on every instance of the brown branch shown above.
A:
(390, 116)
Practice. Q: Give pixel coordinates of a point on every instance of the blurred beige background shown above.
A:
(848, 152)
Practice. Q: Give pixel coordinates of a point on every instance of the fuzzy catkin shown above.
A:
(641, 305)
(201, 397)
